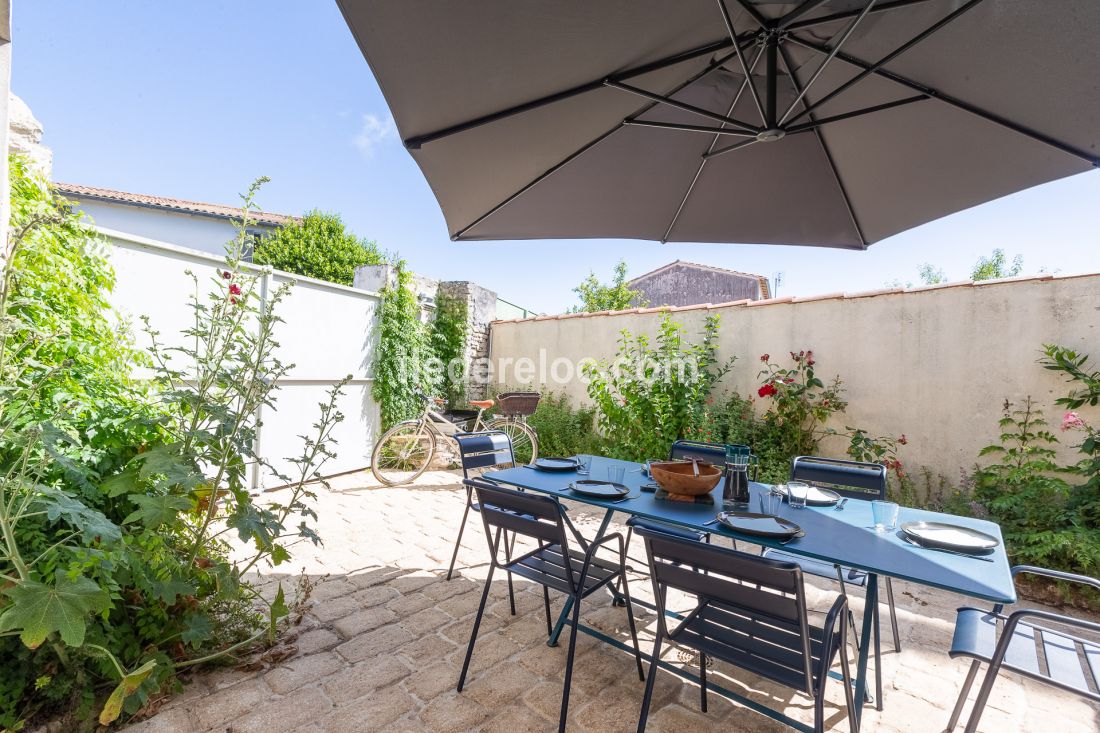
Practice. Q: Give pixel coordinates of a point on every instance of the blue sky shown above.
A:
(194, 100)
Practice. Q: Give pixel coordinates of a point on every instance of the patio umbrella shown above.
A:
(827, 122)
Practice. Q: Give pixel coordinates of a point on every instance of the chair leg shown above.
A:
(702, 681)
(647, 698)
(967, 683)
(983, 697)
(893, 615)
(508, 559)
(849, 696)
(819, 712)
(477, 623)
(461, 527)
(878, 657)
(569, 665)
(633, 626)
(546, 604)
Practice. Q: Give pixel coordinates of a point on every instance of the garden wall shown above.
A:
(328, 333)
(934, 363)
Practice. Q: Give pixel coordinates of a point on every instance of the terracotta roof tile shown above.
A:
(160, 202)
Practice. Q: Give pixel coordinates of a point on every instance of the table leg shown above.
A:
(865, 645)
(617, 599)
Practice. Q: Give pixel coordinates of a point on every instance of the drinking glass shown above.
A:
(585, 465)
(771, 501)
(885, 514)
(615, 474)
(797, 491)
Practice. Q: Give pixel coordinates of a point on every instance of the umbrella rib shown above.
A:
(821, 20)
(686, 128)
(741, 59)
(828, 156)
(806, 7)
(729, 149)
(938, 25)
(815, 123)
(585, 148)
(415, 143)
(703, 162)
(825, 62)
(953, 102)
(736, 124)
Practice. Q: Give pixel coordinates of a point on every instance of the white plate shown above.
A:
(949, 536)
(816, 496)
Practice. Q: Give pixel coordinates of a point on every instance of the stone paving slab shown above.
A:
(384, 638)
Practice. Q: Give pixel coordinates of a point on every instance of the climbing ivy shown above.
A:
(448, 342)
(404, 345)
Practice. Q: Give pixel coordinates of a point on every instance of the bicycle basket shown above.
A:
(518, 404)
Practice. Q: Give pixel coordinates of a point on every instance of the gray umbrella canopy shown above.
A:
(633, 118)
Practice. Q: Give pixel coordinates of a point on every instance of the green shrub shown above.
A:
(563, 430)
(115, 499)
(1025, 493)
(318, 246)
(651, 393)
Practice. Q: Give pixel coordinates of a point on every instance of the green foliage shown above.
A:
(114, 573)
(1086, 391)
(448, 345)
(650, 394)
(996, 266)
(404, 347)
(799, 403)
(318, 246)
(930, 275)
(563, 430)
(1025, 493)
(616, 295)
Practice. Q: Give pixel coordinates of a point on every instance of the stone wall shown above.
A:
(935, 363)
(25, 137)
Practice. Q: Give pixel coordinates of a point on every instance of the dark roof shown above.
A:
(218, 211)
(765, 288)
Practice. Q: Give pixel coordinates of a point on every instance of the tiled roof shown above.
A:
(765, 288)
(810, 298)
(160, 202)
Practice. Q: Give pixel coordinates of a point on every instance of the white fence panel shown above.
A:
(328, 334)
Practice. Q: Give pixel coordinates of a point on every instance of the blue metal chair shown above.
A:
(751, 613)
(855, 480)
(479, 450)
(551, 564)
(685, 450)
(1050, 655)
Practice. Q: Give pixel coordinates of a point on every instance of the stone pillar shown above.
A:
(481, 305)
(5, 87)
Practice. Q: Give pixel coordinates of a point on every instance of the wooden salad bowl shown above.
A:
(678, 477)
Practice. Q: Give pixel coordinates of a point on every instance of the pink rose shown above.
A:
(1072, 421)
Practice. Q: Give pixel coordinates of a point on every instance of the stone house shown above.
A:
(682, 283)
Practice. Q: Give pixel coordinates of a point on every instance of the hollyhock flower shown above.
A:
(1072, 421)
(767, 390)
(765, 357)
(235, 289)
(226, 274)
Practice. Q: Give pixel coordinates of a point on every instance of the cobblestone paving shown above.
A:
(381, 646)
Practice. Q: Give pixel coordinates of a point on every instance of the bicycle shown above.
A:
(406, 450)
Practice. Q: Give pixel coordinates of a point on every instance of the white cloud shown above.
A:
(374, 131)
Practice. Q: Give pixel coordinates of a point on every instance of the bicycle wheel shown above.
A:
(402, 453)
(525, 443)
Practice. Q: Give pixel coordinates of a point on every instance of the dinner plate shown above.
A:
(949, 536)
(556, 464)
(599, 489)
(817, 496)
(760, 525)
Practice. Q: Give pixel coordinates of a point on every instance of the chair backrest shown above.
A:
(525, 514)
(714, 453)
(484, 450)
(848, 478)
(682, 450)
(748, 602)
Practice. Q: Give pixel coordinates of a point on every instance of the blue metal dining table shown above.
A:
(845, 538)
